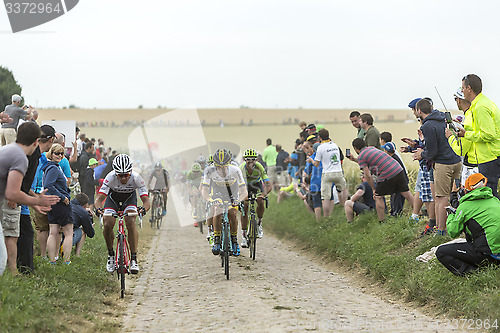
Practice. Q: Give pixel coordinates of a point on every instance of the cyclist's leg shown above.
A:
(244, 216)
(233, 221)
(260, 208)
(107, 231)
(133, 234)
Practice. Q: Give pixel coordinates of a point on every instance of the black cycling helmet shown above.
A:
(222, 157)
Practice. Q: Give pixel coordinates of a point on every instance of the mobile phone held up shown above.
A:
(449, 121)
(347, 152)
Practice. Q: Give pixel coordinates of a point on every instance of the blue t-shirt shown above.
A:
(315, 173)
(37, 181)
(25, 210)
(64, 164)
(98, 170)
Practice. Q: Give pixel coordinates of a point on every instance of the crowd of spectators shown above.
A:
(449, 153)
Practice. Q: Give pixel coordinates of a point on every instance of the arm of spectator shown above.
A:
(409, 142)
(74, 157)
(369, 179)
(86, 222)
(358, 195)
(49, 180)
(4, 118)
(13, 192)
(455, 223)
(485, 127)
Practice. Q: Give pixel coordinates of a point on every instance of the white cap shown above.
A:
(459, 94)
(16, 98)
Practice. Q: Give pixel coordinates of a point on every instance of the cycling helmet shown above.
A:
(250, 153)
(201, 160)
(122, 163)
(210, 159)
(196, 167)
(222, 157)
(158, 165)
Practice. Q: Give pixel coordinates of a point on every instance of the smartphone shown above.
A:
(447, 117)
(347, 152)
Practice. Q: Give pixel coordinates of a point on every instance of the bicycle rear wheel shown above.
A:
(121, 264)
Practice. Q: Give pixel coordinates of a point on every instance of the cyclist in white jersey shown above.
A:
(119, 191)
(224, 182)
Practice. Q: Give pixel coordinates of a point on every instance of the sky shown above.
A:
(258, 53)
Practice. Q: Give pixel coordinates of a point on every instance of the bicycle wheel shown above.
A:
(121, 264)
(158, 209)
(253, 236)
(199, 214)
(153, 212)
(227, 248)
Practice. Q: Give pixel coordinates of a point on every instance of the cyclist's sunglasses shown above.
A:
(123, 175)
(250, 159)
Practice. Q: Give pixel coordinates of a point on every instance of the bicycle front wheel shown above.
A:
(253, 236)
(121, 264)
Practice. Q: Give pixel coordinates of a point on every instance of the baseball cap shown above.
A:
(310, 127)
(47, 132)
(16, 98)
(413, 103)
(474, 181)
(93, 161)
(459, 94)
(390, 147)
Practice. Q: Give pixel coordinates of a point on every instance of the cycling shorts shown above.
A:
(115, 202)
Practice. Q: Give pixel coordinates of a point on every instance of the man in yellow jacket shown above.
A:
(484, 131)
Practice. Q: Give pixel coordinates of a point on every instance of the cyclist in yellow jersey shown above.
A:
(224, 182)
(255, 177)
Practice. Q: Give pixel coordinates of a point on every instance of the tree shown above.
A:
(8, 87)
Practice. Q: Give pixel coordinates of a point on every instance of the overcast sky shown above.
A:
(269, 53)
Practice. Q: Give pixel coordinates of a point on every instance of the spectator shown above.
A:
(83, 161)
(88, 187)
(9, 130)
(372, 135)
(99, 169)
(64, 163)
(25, 242)
(478, 216)
(361, 201)
(390, 175)
(397, 200)
(82, 221)
(281, 166)
(485, 130)
(314, 174)
(462, 146)
(355, 118)
(446, 163)
(329, 155)
(13, 166)
(304, 194)
(311, 130)
(109, 166)
(60, 216)
(269, 155)
(79, 144)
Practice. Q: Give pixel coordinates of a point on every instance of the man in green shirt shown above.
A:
(485, 131)
(355, 119)
(372, 136)
(269, 155)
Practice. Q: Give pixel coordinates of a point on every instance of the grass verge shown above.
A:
(81, 297)
(387, 252)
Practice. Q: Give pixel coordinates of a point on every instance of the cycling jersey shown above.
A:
(255, 178)
(194, 178)
(161, 180)
(112, 184)
(234, 181)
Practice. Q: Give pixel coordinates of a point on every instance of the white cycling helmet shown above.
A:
(122, 163)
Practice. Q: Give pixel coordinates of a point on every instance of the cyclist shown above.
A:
(202, 161)
(119, 190)
(224, 182)
(255, 176)
(210, 211)
(193, 180)
(161, 182)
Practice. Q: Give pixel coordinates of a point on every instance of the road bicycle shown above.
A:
(252, 224)
(226, 249)
(156, 209)
(122, 256)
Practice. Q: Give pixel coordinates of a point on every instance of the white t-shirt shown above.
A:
(135, 182)
(328, 154)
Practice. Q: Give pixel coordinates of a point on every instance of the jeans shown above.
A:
(491, 170)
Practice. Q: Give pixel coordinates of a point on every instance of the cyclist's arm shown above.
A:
(145, 202)
(142, 191)
(267, 187)
(205, 192)
(99, 200)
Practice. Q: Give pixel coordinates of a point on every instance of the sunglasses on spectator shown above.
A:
(123, 175)
(61, 153)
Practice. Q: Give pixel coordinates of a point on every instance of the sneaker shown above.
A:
(260, 231)
(440, 233)
(134, 268)
(67, 262)
(235, 247)
(216, 247)
(110, 265)
(244, 239)
(413, 220)
(427, 231)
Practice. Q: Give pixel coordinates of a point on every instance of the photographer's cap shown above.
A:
(16, 98)
(474, 181)
(459, 94)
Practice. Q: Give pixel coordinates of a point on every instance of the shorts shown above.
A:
(7, 136)
(120, 202)
(426, 178)
(41, 221)
(445, 175)
(255, 188)
(360, 208)
(60, 214)
(77, 235)
(396, 184)
(316, 198)
(271, 173)
(327, 181)
(11, 220)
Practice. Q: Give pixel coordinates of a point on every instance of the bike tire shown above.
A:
(158, 209)
(227, 248)
(153, 213)
(253, 237)
(121, 264)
